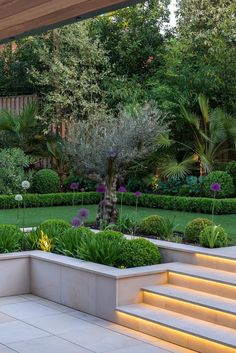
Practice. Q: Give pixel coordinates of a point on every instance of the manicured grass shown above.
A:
(34, 216)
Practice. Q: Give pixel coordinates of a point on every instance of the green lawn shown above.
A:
(34, 216)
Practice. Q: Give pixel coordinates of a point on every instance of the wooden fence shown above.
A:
(16, 103)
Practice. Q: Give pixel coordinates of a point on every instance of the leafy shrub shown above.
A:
(103, 248)
(124, 224)
(231, 170)
(170, 187)
(10, 238)
(83, 182)
(45, 181)
(166, 228)
(139, 252)
(213, 237)
(184, 190)
(68, 242)
(54, 227)
(150, 225)
(224, 179)
(31, 240)
(13, 161)
(194, 228)
(135, 183)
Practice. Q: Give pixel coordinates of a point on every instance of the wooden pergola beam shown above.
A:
(26, 17)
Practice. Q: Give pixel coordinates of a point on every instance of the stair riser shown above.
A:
(215, 262)
(189, 309)
(177, 337)
(203, 285)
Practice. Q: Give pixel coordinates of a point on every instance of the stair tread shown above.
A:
(204, 272)
(209, 331)
(195, 297)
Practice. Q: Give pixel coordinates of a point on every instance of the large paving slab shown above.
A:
(30, 324)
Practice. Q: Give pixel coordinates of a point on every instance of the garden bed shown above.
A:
(93, 288)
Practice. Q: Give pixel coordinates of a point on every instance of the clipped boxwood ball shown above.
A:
(150, 225)
(139, 252)
(222, 178)
(46, 181)
(194, 228)
(54, 227)
(213, 237)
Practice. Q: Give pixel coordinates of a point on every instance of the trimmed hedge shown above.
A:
(47, 200)
(182, 203)
(177, 203)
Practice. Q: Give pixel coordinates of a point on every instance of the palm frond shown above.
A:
(8, 121)
(204, 107)
(191, 118)
(173, 169)
(164, 141)
(28, 117)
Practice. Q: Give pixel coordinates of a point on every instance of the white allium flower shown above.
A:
(25, 184)
(18, 197)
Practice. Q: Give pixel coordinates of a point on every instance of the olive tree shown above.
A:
(105, 146)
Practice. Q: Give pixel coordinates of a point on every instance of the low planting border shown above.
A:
(177, 203)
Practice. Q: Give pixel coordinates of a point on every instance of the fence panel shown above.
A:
(16, 103)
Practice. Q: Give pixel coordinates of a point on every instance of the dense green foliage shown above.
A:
(45, 181)
(231, 170)
(213, 237)
(194, 228)
(10, 238)
(13, 163)
(68, 242)
(139, 252)
(104, 248)
(222, 178)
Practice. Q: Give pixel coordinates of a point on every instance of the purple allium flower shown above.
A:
(215, 187)
(137, 194)
(101, 188)
(122, 189)
(76, 222)
(83, 213)
(74, 186)
(82, 189)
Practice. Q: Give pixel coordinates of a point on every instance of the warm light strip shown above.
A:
(180, 338)
(199, 310)
(205, 285)
(217, 259)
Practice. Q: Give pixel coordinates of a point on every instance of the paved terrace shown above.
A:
(30, 324)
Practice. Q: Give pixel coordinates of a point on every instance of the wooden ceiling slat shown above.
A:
(35, 12)
(19, 17)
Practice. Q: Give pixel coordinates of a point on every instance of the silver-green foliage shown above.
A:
(12, 164)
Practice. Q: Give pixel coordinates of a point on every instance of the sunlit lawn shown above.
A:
(34, 216)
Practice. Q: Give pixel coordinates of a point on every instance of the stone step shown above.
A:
(217, 282)
(180, 329)
(197, 304)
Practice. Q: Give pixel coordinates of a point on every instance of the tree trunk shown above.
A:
(107, 211)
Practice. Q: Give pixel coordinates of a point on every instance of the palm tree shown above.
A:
(212, 133)
(23, 130)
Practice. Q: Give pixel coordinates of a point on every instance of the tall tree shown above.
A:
(201, 57)
(68, 72)
(106, 147)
